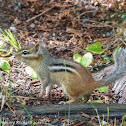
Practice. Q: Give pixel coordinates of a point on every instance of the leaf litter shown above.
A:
(66, 27)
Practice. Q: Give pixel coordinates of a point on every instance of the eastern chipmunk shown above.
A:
(76, 80)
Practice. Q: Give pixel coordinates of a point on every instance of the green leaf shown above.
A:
(77, 57)
(103, 89)
(5, 66)
(87, 59)
(31, 72)
(97, 101)
(95, 48)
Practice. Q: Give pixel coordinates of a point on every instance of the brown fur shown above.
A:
(76, 80)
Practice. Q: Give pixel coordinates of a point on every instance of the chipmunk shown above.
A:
(76, 80)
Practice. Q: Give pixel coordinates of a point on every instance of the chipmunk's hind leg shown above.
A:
(43, 87)
(41, 92)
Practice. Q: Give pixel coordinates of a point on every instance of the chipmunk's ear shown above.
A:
(37, 47)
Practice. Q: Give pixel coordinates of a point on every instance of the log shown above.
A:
(74, 108)
(119, 85)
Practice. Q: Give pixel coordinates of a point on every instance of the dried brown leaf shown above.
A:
(65, 13)
(80, 123)
(43, 28)
(32, 0)
(65, 4)
(74, 31)
(86, 115)
(17, 21)
(67, 122)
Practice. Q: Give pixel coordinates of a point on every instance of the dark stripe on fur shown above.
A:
(61, 70)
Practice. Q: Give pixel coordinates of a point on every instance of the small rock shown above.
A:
(32, 25)
(123, 16)
(108, 34)
(35, 36)
(13, 29)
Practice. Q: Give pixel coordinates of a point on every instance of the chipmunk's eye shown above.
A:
(25, 52)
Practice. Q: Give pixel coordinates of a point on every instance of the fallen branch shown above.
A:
(114, 109)
(40, 14)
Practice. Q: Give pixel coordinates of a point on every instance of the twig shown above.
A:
(40, 14)
(81, 123)
(33, 82)
(11, 108)
(24, 97)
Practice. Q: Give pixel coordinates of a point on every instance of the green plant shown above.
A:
(95, 48)
(108, 115)
(9, 36)
(6, 94)
(26, 111)
(85, 60)
(99, 119)
(106, 57)
(0, 122)
(6, 66)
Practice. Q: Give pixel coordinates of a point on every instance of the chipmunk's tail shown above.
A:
(119, 68)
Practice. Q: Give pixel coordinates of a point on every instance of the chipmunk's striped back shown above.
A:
(62, 67)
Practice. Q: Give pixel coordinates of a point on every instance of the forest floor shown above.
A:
(66, 27)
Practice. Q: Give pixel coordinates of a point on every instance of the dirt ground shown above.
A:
(66, 27)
